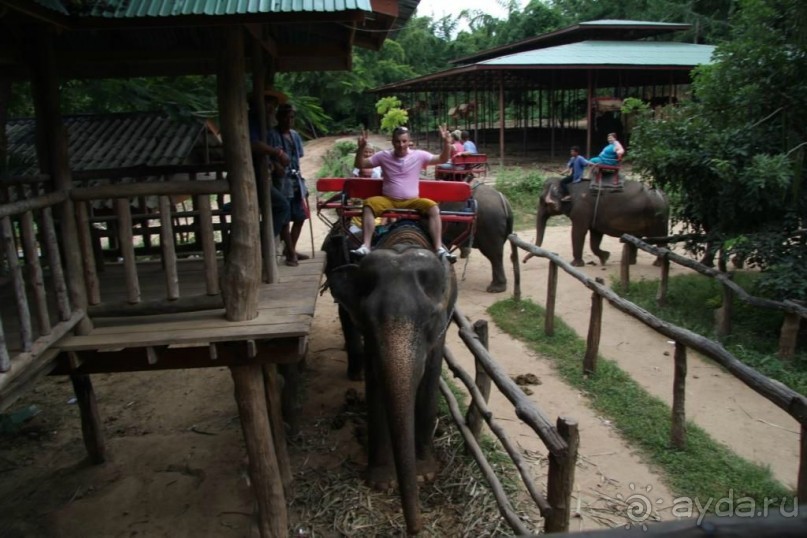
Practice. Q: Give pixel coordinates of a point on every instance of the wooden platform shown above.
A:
(279, 333)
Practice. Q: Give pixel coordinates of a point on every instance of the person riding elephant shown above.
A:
(494, 222)
(399, 300)
(637, 210)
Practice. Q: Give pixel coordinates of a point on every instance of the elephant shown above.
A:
(636, 210)
(494, 222)
(399, 299)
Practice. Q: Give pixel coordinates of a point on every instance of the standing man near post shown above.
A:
(287, 175)
(401, 168)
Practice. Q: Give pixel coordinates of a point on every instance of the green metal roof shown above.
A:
(123, 9)
(610, 53)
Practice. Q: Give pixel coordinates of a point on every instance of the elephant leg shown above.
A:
(595, 240)
(426, 415)
(380, 463)
(578, 238)
(353, 346)
(498, 281)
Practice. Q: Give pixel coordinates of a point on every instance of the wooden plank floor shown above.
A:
(285, 309)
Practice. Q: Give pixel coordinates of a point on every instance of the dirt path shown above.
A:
(176, 456)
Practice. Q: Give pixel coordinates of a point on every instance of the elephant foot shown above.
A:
(427, 470)
(578, 263)
(604, 256)
(465, 252)
(497, 288)
(382, 477)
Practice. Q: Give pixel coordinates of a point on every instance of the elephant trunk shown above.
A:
(540, 225)
(399, 381)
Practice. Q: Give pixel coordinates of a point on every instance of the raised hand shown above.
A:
(445, 134)
(362, 139)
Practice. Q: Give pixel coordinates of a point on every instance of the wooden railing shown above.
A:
(781, 395)
(31, 252)
(561, 440)
(42, 312)
(794, 313)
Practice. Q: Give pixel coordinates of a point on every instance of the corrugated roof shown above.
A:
(599, 30)
(610, 53)
(101, 142)
(162, 8)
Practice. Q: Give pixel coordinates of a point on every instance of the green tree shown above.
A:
(734, 160)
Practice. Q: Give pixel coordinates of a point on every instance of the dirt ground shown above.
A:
(175, 450)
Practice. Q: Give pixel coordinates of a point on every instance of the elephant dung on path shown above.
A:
(636, 209)
(494, 222)
(400, 299)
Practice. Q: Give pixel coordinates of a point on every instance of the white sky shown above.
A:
(437, 9)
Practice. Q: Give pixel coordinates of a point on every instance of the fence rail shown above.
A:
(778, 393)
(561, 439)
(794, 313)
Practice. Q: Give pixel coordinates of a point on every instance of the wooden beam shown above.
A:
(242, 269)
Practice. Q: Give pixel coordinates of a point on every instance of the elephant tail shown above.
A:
(508, 212)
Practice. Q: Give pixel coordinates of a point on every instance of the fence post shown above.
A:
(482, 381)
(789, 335)
(560, 481)
(724, 313)
(678, 433)
(551, 295)
(516, 272)
(593, 340)
(624, 265)
(661, 293)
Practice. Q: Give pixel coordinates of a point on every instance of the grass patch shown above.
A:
(704, 469)
(755, 333)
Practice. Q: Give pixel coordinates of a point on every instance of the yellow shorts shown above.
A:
(379, 204)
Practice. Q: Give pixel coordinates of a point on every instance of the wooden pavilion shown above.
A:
(62, 311)
(560, 87)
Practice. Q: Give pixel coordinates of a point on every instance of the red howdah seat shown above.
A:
(348, 190)
(463, 168)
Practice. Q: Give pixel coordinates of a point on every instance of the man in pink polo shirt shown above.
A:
(400, 170)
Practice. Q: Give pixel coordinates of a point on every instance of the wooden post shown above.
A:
(516, 272)
(23, 312)
(91, 428)
(551, 295)
(272, 388)
(242, 268)
(85, 242)
(264, 472)
(661, 294)
(168, 248)
(624, 266)
(53, 159)
(55, 263)
(789, 335)
(678, 432)
(290, 394)
(481, 380)
(723, 314)
(593, 340)
(208, 244)
(35, 279)
(560, 480)
(127, 252)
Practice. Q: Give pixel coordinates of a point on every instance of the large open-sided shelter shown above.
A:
(64, 312)
(548, 86)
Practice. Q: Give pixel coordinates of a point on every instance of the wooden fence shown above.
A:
(781, 395)
(794, 313)
(561, 440)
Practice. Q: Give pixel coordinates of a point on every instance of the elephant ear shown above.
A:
(343, 284)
